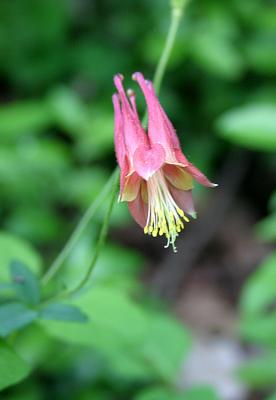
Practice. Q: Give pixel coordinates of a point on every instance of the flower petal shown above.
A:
(131, 187)
(192, 170)
(119, 141)
(139, 210)
(178, 177)
(147, 161)
(158, 128)
(144, 191)
(133, 132)
(170, 128)
(184, 200)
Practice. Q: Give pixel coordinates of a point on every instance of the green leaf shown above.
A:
(6, 287)
(251, 126)
(25, 282)
(167, 357)
(35, 346)
(14, 316)
(266, 229)
(260, 330)
(200, 393)
(12, 368)
(165, 393)
(62, 312)
(217, 55)
(118, 274)
(122, 331)
(68, 110)
(260, 52)
(260, 289)
(16, 119)
(11, 248)
(96, 137)
(273, 397)
(259, 373)
(159, 393)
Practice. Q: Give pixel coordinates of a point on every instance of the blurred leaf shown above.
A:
(200, 393)
(96, 137)
(68, 110)
(159, 393)
(25, 282)
(30, 169)
(273, 397)
(27, 390)
(12, 368)
(122, 331)
(128, 265)
(39, 225)
(259, 373)
(217, 55)
(6, 286)
(164, 393)
(12, 248)
(166, 357)
(260, 330)
(118, 274)
(97, 59)
(266, 228)
(14, 316)
(35, 346)
(24, 118)
(62, 312)
(37, 31)
(260, 289)
(260, 52)
(83, 185)
(251, 126)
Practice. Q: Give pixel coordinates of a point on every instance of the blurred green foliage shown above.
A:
(57, 59)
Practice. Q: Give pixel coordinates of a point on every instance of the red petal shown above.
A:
(199, 176)
(147, 161)
(159, 131)
(139, 210)
(178, 177)
(191, 169)
(133, 132)
(184, 200)
(118, 132)
(131, 187)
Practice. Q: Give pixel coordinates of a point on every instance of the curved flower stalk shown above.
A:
(156, 178)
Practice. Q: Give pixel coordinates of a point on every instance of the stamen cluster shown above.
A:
(164, 216)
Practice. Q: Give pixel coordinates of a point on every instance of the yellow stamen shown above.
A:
(164, 215)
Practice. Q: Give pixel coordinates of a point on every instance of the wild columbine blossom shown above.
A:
(156, 178)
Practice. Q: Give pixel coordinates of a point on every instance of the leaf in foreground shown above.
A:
(14, 316)
(25, 283)
(12, 368)
(63, 312)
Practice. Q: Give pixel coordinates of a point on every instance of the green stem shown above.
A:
(158, 76)
(176, 15)
(113, 180)
(58, 262)
(102, 236)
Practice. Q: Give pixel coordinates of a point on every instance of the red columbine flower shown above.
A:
(156, 177)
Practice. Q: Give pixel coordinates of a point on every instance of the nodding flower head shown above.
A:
(156, 177)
